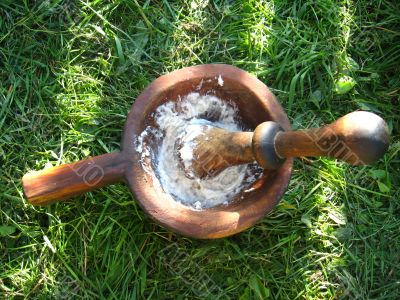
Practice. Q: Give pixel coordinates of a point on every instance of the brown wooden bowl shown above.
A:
(256, 104)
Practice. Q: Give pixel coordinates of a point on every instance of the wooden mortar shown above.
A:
(256, 105)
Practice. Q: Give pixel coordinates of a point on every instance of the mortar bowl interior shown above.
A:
(256, 104)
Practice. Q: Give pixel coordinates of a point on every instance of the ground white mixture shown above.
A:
(174, 120)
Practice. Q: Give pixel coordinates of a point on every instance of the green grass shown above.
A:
(69, 72)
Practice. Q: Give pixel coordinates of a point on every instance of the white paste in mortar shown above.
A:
(175, 119)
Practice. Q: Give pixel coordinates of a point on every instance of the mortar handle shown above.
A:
(68, 180)
(358, 138)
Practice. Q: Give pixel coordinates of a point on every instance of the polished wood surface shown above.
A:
(218, 149)
(256, 104)
(68, 180)
(358, 138)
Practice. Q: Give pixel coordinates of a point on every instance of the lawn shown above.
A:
(69, 72)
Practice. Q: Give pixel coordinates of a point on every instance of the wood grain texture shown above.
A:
(256, 104)
(358, 138)
(217, 149)
(68, 180)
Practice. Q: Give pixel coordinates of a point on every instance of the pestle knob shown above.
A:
(358, 138)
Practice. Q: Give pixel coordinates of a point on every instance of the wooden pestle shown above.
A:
(358, 138)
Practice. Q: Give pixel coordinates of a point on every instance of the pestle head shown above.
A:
(205, 151)
(189, 159)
